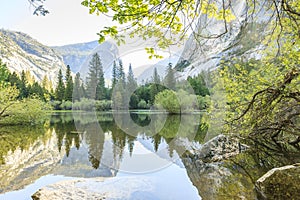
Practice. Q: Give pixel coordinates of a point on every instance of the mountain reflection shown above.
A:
(89, 145)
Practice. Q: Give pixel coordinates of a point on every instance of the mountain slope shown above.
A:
(21, 52)
(79, 55)
(75, 54)
(240, 39)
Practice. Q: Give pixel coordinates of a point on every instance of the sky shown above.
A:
(67, 23)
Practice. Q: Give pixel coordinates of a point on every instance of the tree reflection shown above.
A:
(74, 129)
(13, 137)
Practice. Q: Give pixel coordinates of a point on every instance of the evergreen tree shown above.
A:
(92, 79)
(95, 80)
(101, 90)
(121, 73)
(36, 90)
(82, 91)
(170, 78)
(77, 88)
(60, 88)
(155, 77)
(69, 85)
(131, 82)
(114, 74)
(47, 84)
(30, 78)
(14, 79)
(4, 73)
(155, 87)
(23, 86)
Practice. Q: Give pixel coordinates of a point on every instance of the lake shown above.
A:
(145, 146)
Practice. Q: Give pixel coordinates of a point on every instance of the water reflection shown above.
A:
(94, 145)
(82, 129)
(77, 145)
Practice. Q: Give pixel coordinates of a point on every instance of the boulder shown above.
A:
(219, 148)
(280, 183)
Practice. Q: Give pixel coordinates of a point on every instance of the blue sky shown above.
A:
(68, 22)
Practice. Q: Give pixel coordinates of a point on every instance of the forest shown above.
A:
(93, 94)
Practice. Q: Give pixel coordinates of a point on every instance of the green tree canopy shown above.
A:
(60, 88)
(69, 85)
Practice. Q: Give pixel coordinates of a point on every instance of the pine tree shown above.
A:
(95, 80)
(101, 90)
(69, 85)
(114, 75)
(77, 88)
(37, 90)
(30, 78)
(92, 79)
(131, 82)
(82, 91)
(60, 88)
(46, 84)
(121, 73)
(23, 86)
(4, 73)
(170, 78)
(155, 77)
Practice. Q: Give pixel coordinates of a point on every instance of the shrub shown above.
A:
(66, 105)
(143, 104)
(103, 105)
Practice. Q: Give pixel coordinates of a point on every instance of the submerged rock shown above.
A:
(280, 183)
(97, 188)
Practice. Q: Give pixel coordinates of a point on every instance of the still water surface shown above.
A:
(82, 145)
(149, 147)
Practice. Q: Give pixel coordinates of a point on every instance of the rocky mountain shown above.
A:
(21, 52)
(75, 54)
(236, 39)
(78, 56)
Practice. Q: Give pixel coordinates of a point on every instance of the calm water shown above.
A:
(89, 145)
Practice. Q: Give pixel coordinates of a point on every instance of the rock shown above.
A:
(203, 163)
(280, 183)
(219, 148)
(94, 188)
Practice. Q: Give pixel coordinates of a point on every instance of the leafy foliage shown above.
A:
(164, 20)
(263, 96)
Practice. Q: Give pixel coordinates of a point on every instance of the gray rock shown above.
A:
(219, 148)
(280, 183)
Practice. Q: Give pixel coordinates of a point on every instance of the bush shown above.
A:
(103, 105)
(55, 105)
(203, 102)
(66, 105)
(168, 100)
(27, 111)
(84, 104)
(143, 104)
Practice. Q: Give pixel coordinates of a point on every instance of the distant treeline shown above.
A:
(123, 91)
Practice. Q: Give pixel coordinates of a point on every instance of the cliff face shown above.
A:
(21, 52)
(240, 39)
